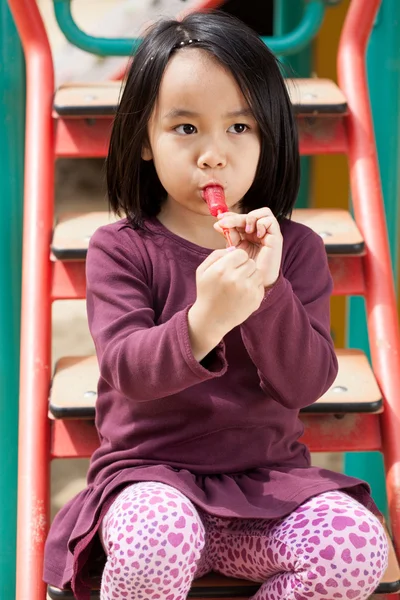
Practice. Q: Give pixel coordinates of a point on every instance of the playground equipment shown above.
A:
(12, 110)
(361, 410)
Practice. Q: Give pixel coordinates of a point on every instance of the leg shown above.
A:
(330, 547)
(154, 540)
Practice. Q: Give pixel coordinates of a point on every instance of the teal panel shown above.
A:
(12, 110)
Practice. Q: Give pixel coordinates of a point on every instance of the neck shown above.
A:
(191, 226)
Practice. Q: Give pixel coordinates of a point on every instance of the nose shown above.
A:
(212, 157)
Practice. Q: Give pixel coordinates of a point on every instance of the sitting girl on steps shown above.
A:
(208, 353)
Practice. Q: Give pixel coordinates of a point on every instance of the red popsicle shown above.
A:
(215, 199)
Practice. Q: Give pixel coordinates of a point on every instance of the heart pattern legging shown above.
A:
(157, 542)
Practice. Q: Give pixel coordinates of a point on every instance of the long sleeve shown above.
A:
(137, 357)
(288, 337)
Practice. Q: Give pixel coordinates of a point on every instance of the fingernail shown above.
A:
(222, 223)
(231, 248)
(259, 234)
(248, 228)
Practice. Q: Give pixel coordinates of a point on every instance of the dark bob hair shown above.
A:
(134, 188)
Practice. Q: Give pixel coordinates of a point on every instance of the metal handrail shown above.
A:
(382, 318)
(289, 43)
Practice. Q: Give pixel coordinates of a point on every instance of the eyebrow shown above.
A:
(181, 112)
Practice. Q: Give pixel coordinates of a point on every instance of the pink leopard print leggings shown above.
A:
(157, 542)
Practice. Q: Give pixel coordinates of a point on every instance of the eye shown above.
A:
(186, 129)
(238, 128)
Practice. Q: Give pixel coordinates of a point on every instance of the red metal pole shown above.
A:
(383, 326)
(201, 5)
(207, 5)
(34, 442)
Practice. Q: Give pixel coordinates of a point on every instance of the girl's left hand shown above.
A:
(259, 234)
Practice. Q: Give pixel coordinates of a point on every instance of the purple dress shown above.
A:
(225, 431)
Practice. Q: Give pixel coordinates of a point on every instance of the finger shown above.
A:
(228, 213)
(263, 225)
(234, 234)
(258, 213)
(253, 216)
(247, 269)
(211, 259)
(261, 229)
(257, 277)
(235, 257)
(232, 259)
(231, 220)
(267, 225)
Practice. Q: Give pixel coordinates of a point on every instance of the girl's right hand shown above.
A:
(229, 289)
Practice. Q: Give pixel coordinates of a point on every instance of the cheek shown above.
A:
(168, 152)
(250, 148)
(163, 156)
(172, 170)
(256, 149)
(255, 157)
(251, 156)
(170, 167)
(173, 159)
(247, 167)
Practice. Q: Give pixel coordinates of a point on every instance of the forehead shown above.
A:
(193, 78)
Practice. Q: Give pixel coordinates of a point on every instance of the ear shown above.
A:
(146, 152)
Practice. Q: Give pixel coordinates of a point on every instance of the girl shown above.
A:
(207, 354)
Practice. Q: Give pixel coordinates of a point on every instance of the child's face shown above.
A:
(202, 131)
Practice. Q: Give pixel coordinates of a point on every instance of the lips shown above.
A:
(212, 183)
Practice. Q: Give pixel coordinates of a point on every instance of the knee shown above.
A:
(345, 549)
(365, 558)
(154, 525)
(177, 526)
(352, 564)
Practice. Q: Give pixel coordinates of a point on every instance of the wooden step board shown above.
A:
(309, 97)
(355, 390)
(336, 227)
(215, 586)
(85, 111)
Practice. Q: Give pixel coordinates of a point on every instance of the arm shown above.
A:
(288, 338)
(140, 359)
